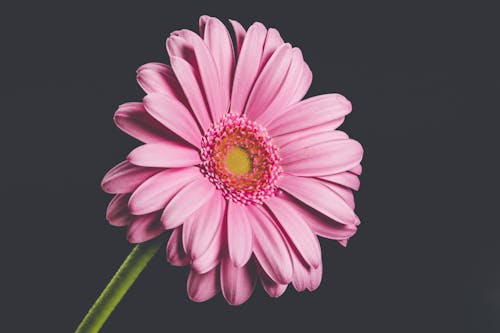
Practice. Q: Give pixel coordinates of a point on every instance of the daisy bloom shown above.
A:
(244, 172)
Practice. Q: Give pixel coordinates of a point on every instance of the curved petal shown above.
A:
(174, 115)
(188, 80)
(174, 250)
(156, 77)
(285, 94)
(157, 191)
(165, 154)
(200, 228)
(118, 213)
(269, 81)
(305, 277)
(239, 234)
(237, 283)
(247, 66)
(357, 170)
(344, 192)
(346, 179)
(125, 177)
(144, 228)
(306, 157)
(298, 231)
(239, 34)
(220, 45)
(210, 258)
(303, 83)
(272, 43)
(318, 196)
(272, 288)
(187, 201)
(202, 287)
(311, 112)
(133, 119)
(269, 246)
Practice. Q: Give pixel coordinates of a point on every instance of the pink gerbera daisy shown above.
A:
(245, 172)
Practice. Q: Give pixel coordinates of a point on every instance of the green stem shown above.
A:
(118, 286)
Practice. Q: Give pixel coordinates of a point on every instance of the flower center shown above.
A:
(240, 160)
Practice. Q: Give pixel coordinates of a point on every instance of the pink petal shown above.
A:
(322, 225)
(299, 234)
(318, 196)
(247, 66)
(312, 112)
(174, 250)
(310, 158)
(269, 81)
(160, 78)
(315, 276)
(272, 43)
(144, 228)
(347, 179)
(165, 154)
(217, 98)
(285, 94)
(202, 287)
(219, 43)
(304, 139)
(187, 77)
(323, 130)
(239, 33)
(202, 23)
(237, 283)
(187, 201)
(200, 228)
(133, 119)
(125, 177)
(272, 288)
(210, 258)
(269, 246)
(344, 192)
(174, 115)
(157, 191)
(117, 213)
(239, 234)
(303, 83)
(357, 169)
(305, 277)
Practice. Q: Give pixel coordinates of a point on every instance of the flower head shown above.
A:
(244, 172)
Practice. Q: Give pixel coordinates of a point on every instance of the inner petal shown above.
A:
(238, 161)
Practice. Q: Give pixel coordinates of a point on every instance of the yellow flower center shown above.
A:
(238, 161)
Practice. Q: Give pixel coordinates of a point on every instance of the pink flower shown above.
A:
(245, 172)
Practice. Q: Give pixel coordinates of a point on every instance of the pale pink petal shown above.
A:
(357, 169)
(285, 94)
(298, 231)
(210, 258)
(220, 45)
(157, 191)
(174, 115)
(315, 276)
(298, 141)
(272, 43)
(344, 192)
(174, 250)
(239, 33)
(200, 228)
(309, 158)
(269, 81)
(324, 226)
(305, 277)
(202, 23)
(343, 242)
(239, 234)
(269, 246)
(144, 228)
(133, 119)
(247, 66)
(303, 83)
(202, 287)
(318, 196)
(188, 80)
(165, 154)
(216, 97)
(187, 201)
(347, 179)
(126, 177)
(311, 112)
(237, 283)
(318, 131)
(160, 78)
(118, 213)
(272, 288)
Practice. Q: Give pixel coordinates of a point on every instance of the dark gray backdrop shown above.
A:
(421, 77)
